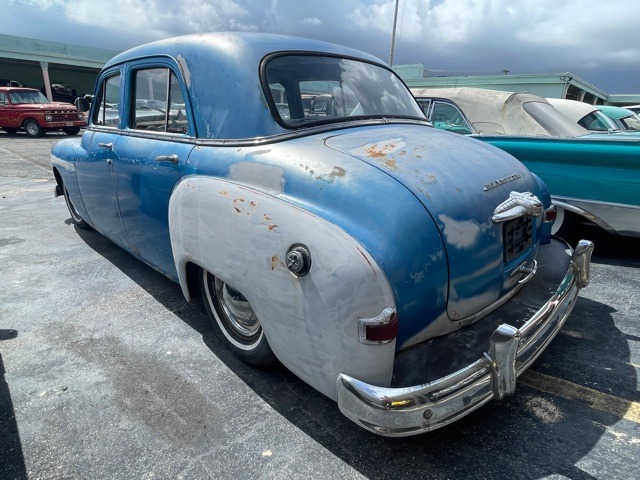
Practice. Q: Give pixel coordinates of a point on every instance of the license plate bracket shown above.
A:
(518, 236)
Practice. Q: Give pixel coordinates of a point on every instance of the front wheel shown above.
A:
(75, 216)
(71, 130)
(33, 129)
(233, 317)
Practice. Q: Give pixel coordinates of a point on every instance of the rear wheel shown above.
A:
(233, 317)
(32, 128)
(71, 130)
(75, 216)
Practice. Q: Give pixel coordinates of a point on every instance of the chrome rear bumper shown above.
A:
(421, 408)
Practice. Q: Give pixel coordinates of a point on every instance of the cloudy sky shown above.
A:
(597, 40)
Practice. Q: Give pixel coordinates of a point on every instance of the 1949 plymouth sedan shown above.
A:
(348, 246)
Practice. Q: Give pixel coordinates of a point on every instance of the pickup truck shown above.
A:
(30, 110)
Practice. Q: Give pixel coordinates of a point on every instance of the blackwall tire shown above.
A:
(235, 321)
(32, 128)
(75, 216)
(71, 130)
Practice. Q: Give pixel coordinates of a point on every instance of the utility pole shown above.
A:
(393, 34)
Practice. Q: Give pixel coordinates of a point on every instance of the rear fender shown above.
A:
(242, 236)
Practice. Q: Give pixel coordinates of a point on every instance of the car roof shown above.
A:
(211, 63)
(572, 109)
(21, 89)
(235, 47)
(493, 111)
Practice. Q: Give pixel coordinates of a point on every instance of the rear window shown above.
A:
(312, 89)
(552, 120)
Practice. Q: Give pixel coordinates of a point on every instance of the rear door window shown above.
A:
(158, 104)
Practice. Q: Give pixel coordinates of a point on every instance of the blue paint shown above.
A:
(397, 186)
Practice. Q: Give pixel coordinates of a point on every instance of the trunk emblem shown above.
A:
(502, 181)
(519, 204)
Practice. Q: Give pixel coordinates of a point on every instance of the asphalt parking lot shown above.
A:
(107, 372)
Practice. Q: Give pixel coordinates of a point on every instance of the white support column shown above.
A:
(47, 83)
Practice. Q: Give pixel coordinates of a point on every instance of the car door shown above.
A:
(151, 157)
(95, 172)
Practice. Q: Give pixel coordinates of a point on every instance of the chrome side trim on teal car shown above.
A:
(421, 408)
(616, 218)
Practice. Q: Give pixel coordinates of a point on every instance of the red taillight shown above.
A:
(382, 328)
(384, 332)
(550, 214)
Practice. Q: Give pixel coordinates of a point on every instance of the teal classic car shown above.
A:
(592, 177)
(625, 119)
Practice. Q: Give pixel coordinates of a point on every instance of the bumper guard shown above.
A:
(412, 410)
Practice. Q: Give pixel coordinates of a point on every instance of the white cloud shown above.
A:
(312, 21)
(451, 35)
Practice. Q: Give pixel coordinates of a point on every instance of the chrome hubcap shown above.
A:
(239, 314)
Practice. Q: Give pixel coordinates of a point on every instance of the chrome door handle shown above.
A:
(106, 145)
(167, 158)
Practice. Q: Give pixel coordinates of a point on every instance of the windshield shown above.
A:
(552, 120)
(312, 89)
(27, 96)
(632, 122)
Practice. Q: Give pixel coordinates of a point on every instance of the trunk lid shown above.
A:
(460, 181)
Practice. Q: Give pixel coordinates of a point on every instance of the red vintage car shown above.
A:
(28, 109)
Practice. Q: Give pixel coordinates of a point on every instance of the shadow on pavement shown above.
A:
(11, 457)
(529, 435)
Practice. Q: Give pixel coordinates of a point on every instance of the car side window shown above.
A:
(3, 98)
(447, 117)
(158, 104)
(424, 105)
(593, 121)
(108, 111)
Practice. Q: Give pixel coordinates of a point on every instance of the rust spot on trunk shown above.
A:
(272, 226)
(374, 152)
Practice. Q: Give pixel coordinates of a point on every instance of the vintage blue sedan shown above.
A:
(348, 243)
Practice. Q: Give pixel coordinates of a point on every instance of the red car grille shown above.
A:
(65, 116)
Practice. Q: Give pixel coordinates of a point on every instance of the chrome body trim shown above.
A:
(415, 409)
(614, 217)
